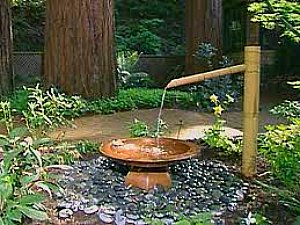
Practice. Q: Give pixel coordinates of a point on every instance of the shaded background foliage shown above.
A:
(151, 27)
(28, 24)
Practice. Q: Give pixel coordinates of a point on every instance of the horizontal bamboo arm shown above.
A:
(207, 75)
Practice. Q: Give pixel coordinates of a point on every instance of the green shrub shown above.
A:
(24, 180)
(42, 110)
(280, 145)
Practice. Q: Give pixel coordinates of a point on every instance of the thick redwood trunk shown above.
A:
(203, 24)
(79, 47)
(6, 74)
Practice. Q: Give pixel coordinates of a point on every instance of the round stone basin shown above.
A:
(148, 158)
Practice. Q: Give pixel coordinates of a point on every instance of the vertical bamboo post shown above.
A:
(251, 109)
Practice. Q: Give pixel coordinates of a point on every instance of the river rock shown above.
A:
(105, 218)
(91, 210)
(197, 186)
(65, 213)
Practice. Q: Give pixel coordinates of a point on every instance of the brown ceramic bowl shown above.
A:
(143, 152)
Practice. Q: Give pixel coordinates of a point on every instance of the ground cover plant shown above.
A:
(51, 104)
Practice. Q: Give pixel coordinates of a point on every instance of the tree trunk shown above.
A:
(203, 24)
(79, 47)
(6, 72)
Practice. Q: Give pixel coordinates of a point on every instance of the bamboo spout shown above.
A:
(207, 75)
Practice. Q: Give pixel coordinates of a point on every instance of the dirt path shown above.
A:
(101, 127)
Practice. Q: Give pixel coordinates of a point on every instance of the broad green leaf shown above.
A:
(54, 187)
(10, 222)
(18, 132)
(6, 188)
(33, 213)
(6, 221)
(45, 187)
(31, 199)
(15, 215)
(42, 141)
(38, 157)
(3, 140)
(1, 221)
(27, 179)
(9, 157)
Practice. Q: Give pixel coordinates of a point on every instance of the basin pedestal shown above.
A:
(147, 179)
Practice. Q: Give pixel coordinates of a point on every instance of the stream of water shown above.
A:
(158, 125)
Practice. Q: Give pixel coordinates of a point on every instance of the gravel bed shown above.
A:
(96, 187)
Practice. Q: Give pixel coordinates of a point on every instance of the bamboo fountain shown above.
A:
(149, 158)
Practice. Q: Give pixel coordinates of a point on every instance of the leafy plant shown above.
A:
(62, 154)
(214, 137)
(281, 143)
(84, 147)
(24, 179)
(204, 218)
(283, 14)
(139, 129)
(281, 147)
(288, 109)
(208, 58)
(142, 129)
(44, 110)
(287, 197)
(6, 116)
(127, 75)
(28, 24)
(140, 36)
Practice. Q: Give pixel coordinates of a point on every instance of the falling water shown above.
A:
(159, 116)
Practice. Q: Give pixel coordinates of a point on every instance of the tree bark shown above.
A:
(203, 24)
(79, 47)
(6, 73)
